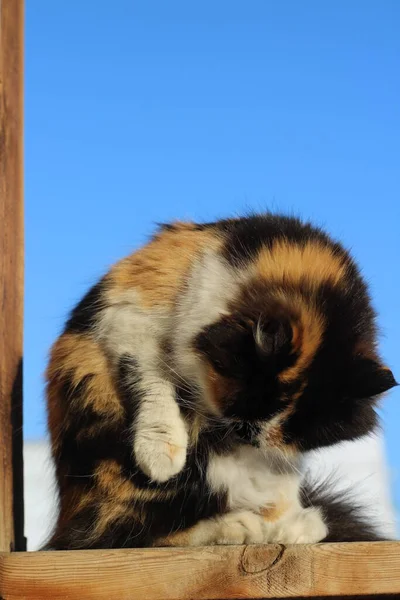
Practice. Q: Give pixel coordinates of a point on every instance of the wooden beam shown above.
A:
(275, 571)
(11, 274)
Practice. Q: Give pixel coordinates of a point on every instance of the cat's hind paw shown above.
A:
(304, 527)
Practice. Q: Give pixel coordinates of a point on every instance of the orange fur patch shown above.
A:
(179, 539)
(275, 512)
(195, 427)
(112, 484)
(109, 514)
(310, 328)
(291, 264)
(190, 536)
(271, 431)
(158, 269)
(220, 388)
(74, 357)
(173, 450)
(297, 338)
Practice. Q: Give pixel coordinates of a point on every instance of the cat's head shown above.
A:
(300, 361)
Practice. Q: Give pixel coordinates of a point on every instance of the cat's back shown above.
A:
(271, 246)
(157, 270)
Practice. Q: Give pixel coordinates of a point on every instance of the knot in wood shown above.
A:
(256, 559)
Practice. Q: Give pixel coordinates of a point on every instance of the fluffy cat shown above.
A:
(189, 382)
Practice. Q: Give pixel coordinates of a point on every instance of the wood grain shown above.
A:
(204, 573)
(11, 271)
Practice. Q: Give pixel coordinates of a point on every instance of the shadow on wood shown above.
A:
(17, 460)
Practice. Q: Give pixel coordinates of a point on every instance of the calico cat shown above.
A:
(190, 381)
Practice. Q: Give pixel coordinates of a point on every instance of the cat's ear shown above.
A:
(233, 346)
(273, 337)
(370, 378)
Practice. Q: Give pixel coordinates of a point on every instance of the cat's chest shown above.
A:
(250, 480)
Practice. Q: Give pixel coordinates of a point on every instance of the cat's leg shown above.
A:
(160, 435)
(131, 337)
(237, 527)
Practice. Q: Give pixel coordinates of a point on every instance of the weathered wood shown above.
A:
(11, 274)
(204, 573)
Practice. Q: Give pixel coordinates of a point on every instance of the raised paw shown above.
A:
(160, 452)
(304, 527)
(242, 527)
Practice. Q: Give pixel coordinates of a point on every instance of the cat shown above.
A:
(188, 384)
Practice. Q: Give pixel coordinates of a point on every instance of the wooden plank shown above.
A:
(209, 573)
(11, 273)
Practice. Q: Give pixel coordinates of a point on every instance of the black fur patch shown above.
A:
(230, 347)
(83, 316)
(128, 375)
(338, 401)
(246, 236)
(345, 519)
(80, 449)
(176, 227)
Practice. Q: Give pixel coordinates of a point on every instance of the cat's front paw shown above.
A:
(160, 452)
(242, 527)
(304, 527)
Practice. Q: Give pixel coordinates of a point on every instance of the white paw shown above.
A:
(304, 527)
(242, 527)
(160, 452)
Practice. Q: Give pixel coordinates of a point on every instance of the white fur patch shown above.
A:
(239, 527)
(124, 327)
(305, 526)
(246, 527)
(252, 482)
(211, 285)
(259, 335)
(159, 432)
(250, 479)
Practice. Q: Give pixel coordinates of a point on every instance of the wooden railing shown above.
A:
(321, 570)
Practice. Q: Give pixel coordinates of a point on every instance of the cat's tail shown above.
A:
(345, 517)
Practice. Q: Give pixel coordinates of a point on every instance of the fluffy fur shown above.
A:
(190, 380)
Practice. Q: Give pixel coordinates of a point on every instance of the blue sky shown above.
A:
(139, 112)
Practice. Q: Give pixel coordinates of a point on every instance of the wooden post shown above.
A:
(11, 274)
